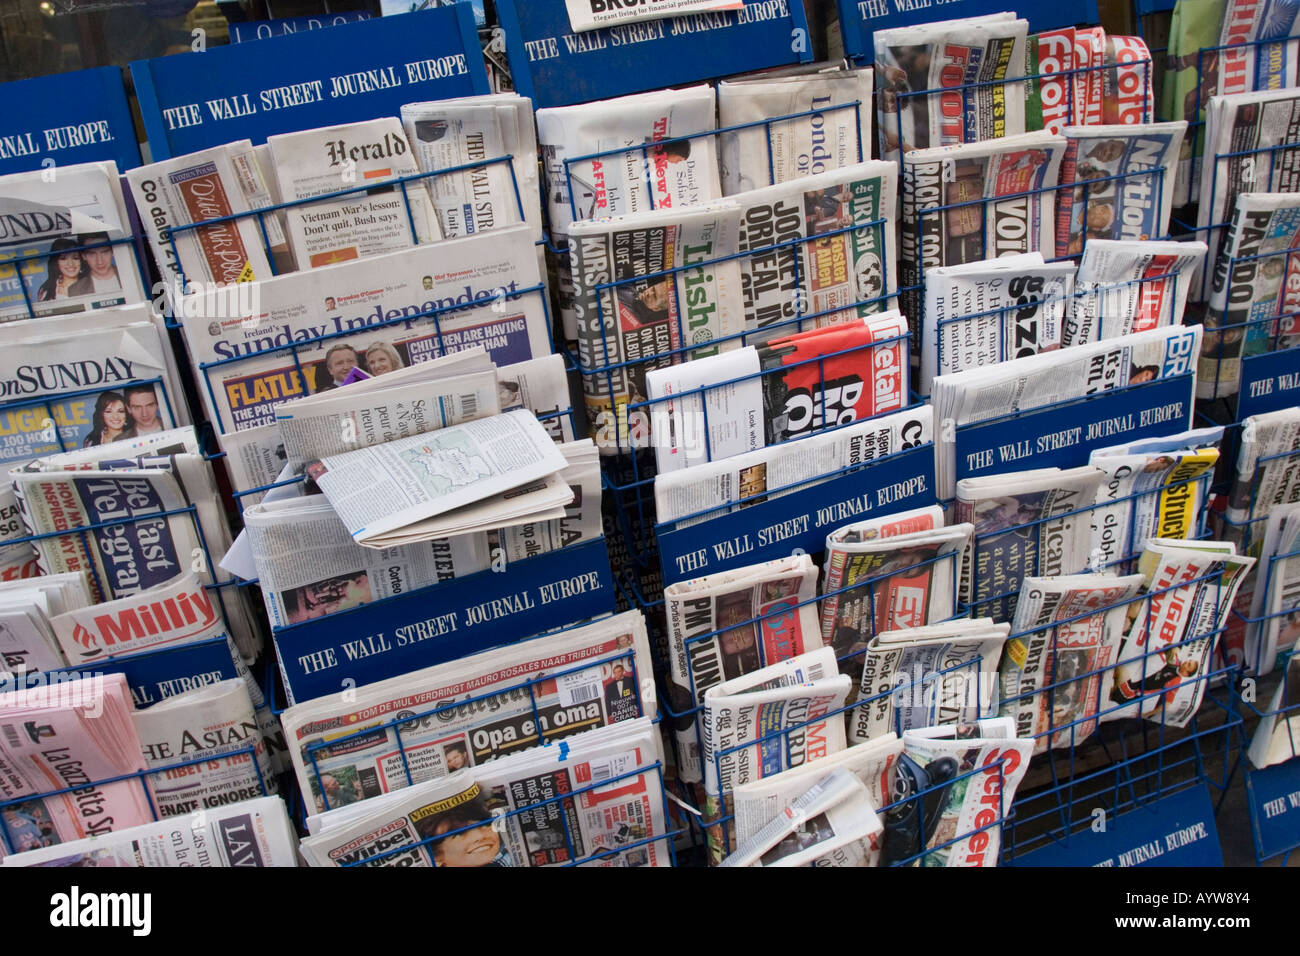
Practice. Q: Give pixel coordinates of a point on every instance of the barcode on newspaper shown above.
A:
(579, 688)
(607, 769)
(470, 404)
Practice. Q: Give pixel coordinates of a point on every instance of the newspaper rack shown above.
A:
(1273, 812)
(21, 817)
(16, 264)
(574, 858)
(444, 621)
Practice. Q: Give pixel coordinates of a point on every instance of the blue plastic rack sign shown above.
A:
(352, 72)
(556, 66)
(776, 527)
(1269, 382)
(448, 620)
(155, 675)
(1177, 830)
(1063, 436)
(1275, 807)
(68, 118)
(860, 18)
(284, 26)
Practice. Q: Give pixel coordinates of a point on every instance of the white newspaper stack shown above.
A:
(964, 63)
(1276, 592)
(53, 367)
(55, 217)
(1124, 287)
(1253, 281)
(1242, 134)
(985, 312)
(961, 823)
(28, 644)
(209, 184)
(1267, 475)
(499, 717)
(1167, 652)
(1065, 633)
(317, 162)
(1151, 488)
(486, 473)
(723, 625)
(215, 723)
(788, 712)
(165, 487)
(872, 763)
(836, 131)
(1277, 738)
(834, 816)
(459, 132)
(253, 833)
(644, 177)
(704, 491)
(982, 394)
(515, 812)
(70, 735)
(923, 676)
(900, 572)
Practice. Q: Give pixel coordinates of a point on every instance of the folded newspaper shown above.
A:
(1025, 384)
(975, 201)
(956, 785)
(1065, 634)
(1267, 472)
(454, 134)
(872, 763)
(889, 574)
(215, 724)
(764, 722)
(703, 491)
(586, 179)
(367, 222)
(833, 132)
(1050, 80)
(1122, 179)
(787, 387)
(69, 736)
(985, 312)
(486, 473)
(253, 833)
(595, 799)
(1166, 654)
(925, 676)
(85, 379)
(943, 83)
(1130, 286)
(1277, 738)
(469, 711)
(1155, 488)
(1250, 146)
(721, 626)
(1274, 606)
(1255, 291)
(67, 242)
(28, 608)
(209, 184)
(834, 815)
(1035, 522)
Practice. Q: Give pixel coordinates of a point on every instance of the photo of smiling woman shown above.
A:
(110, 421)
(476, 846)
(68, 275)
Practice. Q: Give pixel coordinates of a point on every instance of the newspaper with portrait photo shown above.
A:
(66, 240)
